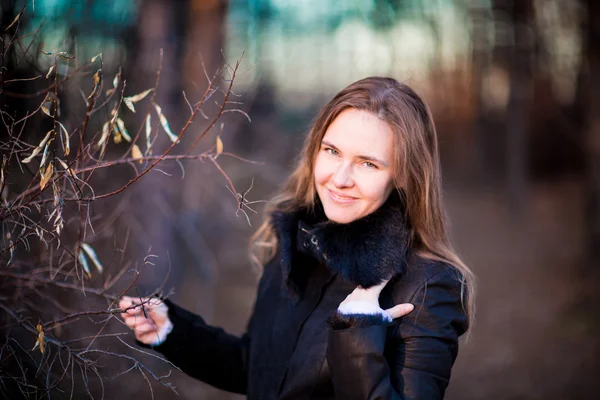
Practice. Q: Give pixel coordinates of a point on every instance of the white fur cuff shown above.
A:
(163, 332)
(363, 307)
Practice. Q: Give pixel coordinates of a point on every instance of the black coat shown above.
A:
(297, 347)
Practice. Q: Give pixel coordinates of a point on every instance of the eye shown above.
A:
(331, 151)
(369, 164)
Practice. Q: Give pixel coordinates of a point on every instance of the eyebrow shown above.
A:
(362, 157)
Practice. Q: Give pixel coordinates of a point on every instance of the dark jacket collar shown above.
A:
(365, 252)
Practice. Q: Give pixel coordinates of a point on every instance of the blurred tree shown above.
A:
(591, 87)
(502, 63)
(519, 104)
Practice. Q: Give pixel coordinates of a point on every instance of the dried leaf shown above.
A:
(114, 115)
(92, 255)
(105, 133)
(45, 155)
(84, 263)
(48, 103)
(14, 21)
(117, 137)
(11, 246)
(116, 79)
(38, 149)
(2, 170)
(50, 71)
(136, 153)
(165, 123)
(65, 166)
(66, 140)
(97, 79)
(96, 56)
(129, 104)
(219, 147)
(64, 55)
(41, 340)
(46, 176)
(123, 130)
(129, 101)
(148, 133)
(138, 96)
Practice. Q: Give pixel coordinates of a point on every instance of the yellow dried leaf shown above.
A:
(117, 138)
(38, 149)
(45, 177)
(89, 251)
(219, 147)
(165, 123)
(40, 340)
(136, 153)
(97, 79)
(122, 130)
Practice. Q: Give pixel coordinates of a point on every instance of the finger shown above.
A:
(132, 322)
(129, 321)
(147, 338)
(400, 310)
(135, 312)
(137, 300)
(125, 302)
(145, 328)
(155, 304)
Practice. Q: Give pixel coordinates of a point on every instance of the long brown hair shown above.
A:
(417, 174)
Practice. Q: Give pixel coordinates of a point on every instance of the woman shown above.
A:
(355, 240)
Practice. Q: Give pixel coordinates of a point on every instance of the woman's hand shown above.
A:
(151, 324)
(371, 296)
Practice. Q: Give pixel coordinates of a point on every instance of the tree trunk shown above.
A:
(517, 118)
(592, 143)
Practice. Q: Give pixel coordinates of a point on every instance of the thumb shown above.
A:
(158, 311)
(400, 310)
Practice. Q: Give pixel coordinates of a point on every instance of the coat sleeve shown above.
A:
(205, 352)
(412, 359)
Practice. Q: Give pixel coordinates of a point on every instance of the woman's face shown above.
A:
(353, 169)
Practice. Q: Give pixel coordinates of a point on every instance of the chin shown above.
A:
(340, 216)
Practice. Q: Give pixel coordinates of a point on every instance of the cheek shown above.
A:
(321, 170)
(377, 188)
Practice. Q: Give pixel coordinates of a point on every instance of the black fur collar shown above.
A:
(365, 252)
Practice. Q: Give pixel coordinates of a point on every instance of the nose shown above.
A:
(342, 176)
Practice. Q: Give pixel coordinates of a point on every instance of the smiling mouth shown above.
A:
(339, 198)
